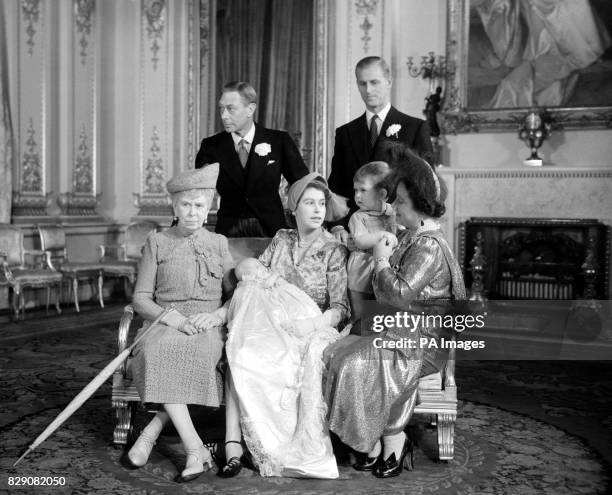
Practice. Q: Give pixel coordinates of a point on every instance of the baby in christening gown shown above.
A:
(274, 350)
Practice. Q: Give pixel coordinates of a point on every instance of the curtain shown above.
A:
(270, 43)
(6, 131)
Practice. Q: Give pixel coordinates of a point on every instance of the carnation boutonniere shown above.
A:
(263, 149)
(393, 129)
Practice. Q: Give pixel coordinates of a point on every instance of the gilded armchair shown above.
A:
(53, 242)
(22, 269)
(437, 399)
(121, 260)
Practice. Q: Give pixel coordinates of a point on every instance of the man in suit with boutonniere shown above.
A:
(252, 159)
(362, 140)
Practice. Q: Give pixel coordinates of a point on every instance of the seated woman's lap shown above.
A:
(172, 367)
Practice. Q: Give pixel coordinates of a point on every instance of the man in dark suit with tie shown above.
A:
(252, 159)
(362, 140)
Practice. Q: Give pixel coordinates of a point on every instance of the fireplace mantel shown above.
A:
(546, 192)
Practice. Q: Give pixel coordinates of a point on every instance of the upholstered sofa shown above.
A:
(437, 392)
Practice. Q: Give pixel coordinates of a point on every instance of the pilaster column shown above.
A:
(83, 198)
(30, 195)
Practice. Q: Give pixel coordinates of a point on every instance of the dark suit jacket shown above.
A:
(352, 147)
(252, 191)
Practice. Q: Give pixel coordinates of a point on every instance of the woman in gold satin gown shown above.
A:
(370, 391)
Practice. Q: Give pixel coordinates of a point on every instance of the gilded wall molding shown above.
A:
(30, 205)
(31, 197)
(321, 75)
(82, 178)
(367, 9)
(74, 204)
(193, 21)
(31, 15)
(204, 37)
(83, 199)
(157, 106)
(154, 176)
(83, 10)
(154, 200)
(31, 168)
(154, 12)
(207, 96)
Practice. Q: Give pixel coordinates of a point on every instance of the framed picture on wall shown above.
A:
(508, 56)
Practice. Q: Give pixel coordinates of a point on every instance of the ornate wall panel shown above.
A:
(30, 195)
(208, 98)
(83, 198)
(155, 152)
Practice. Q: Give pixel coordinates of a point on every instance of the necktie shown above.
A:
(243, 154)
(373, 130)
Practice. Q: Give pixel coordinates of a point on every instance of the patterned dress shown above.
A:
(320, 270)
(186, 272)
(277, 373)
(371, 391)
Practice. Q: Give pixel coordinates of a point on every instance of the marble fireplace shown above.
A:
(511, 204)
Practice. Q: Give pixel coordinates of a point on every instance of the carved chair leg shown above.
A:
(446, 435)
(123, 421)
(48, 299)
(75, 293)
(100, 288)
(15, 295)
(58, 295)
(22, 304)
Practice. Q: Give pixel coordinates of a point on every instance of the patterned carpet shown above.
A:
(523, 427)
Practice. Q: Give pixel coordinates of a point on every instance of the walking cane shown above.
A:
(89, 390)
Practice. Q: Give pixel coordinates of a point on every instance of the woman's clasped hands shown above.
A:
(200, 322)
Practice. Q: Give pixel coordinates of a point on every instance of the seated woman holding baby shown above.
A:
(371, 391)
(283, 314)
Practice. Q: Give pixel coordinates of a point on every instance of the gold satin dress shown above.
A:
(370, 391)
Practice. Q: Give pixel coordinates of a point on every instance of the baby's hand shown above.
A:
(387, 209)
(389, 239)
(340, 233)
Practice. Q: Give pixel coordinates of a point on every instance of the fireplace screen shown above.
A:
(507, 258)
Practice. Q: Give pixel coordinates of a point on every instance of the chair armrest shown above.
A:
(119, 251)
(8, 275)
(49, 261)
(124, 330)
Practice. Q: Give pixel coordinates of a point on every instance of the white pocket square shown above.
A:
(270, 162)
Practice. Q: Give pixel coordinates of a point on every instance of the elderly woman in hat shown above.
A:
(183, 268)
(313, 260)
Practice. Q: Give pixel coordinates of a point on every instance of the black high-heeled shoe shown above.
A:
(392, 467)
(233, 465)
(368, 463)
